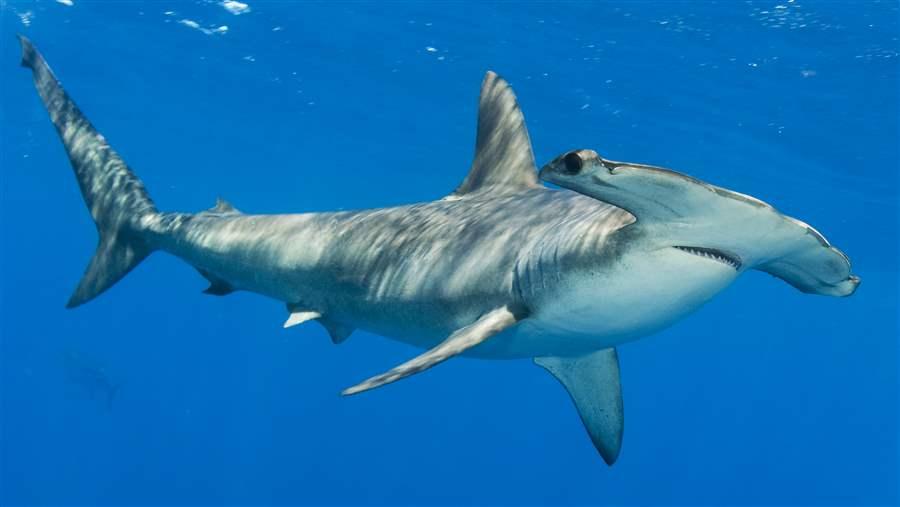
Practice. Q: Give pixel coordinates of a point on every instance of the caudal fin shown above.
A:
(115, 197)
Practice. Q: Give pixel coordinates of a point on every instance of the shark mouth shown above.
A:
(712, 253)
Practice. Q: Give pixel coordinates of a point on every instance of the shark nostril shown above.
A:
(573, 163)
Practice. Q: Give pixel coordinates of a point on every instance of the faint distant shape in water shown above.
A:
(91, 377)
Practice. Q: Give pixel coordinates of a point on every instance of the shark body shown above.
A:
(503, 267)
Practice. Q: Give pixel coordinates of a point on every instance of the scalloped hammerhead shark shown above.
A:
(501, 268)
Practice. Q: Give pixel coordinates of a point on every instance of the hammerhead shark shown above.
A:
(503, 267)
(90, 376)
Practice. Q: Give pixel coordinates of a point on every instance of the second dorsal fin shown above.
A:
(503, 158)
(223, 207)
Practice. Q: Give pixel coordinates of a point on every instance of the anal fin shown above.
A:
(593, 383)
(337, 331)
(217, 286)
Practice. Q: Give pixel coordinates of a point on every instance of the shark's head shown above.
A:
(696, 218)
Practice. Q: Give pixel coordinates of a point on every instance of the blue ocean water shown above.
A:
(765, 396)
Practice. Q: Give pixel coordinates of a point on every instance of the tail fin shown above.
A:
(115, 197)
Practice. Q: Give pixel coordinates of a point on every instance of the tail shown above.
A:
(115, 197)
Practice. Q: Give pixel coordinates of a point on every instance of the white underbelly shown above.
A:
(644, 293)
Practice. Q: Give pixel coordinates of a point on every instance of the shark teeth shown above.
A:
(712, 253)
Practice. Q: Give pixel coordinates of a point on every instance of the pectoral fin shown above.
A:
(485, 327)
(593, 383)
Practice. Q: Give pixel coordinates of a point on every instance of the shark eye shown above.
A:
(573, 163)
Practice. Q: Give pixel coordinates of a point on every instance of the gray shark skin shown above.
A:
(501, 268)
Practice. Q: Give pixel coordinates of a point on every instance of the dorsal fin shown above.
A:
(503, 158)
